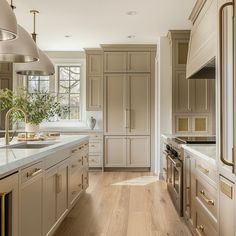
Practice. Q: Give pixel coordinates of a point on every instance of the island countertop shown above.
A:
(205, 151)
(13, 159)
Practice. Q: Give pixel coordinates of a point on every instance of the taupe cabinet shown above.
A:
(127, 105)
(122, 62)
(193, 100)
(200, 195)
(50, 188)
(9, 196)
(94, 81)
(127, 151)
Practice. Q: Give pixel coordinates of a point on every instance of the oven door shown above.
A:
(175, 182)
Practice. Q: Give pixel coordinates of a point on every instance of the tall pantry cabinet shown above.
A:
(128, 76)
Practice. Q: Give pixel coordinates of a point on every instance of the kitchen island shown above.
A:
(41, 181)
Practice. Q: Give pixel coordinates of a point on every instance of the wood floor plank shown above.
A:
(123, 210)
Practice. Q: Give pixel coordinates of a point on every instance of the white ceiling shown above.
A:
(94, 22)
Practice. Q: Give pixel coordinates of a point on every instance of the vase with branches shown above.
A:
(39, 106)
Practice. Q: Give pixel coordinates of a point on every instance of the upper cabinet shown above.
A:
(94, 79)
(127, 62)
(115, 62)
(139, 62)
(203, 39)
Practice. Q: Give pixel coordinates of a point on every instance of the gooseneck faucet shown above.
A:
(9, 138)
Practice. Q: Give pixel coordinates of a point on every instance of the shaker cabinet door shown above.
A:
(138, 151)
(115, 151)
(115, 62)
(115, 109)
(139, 104)
(182, 92)
(94, 93)
(139, 62)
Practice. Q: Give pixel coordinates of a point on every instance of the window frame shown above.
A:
(57, 89)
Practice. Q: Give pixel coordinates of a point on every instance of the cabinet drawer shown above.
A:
(204, 225)
(205, 170)
(31, 172)
(96, 137)
(207, 195)
(75, 164)
(95, 161)
(95, 147)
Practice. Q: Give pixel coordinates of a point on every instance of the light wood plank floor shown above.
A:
(108, 210)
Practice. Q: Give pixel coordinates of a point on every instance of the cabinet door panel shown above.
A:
(115, 104)
(5, 68)
(139, 104)
(138, 151)
(182, 97)
(139, 62)
(50, 200)
(31, 208)
(115, 62)
(201, 96)
(94, 93)
(95, 64)
(61, 186)
(115, 151)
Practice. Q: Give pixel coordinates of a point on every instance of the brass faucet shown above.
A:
(8, 139)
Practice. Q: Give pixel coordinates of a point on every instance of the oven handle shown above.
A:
(176, 162)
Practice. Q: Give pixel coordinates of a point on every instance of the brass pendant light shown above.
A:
(43, 67)
(8, 23)
(23, 49)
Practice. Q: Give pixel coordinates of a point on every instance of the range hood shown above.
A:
(203, 42)
(208, 71)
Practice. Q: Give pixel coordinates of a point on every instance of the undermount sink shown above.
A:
(28, 146)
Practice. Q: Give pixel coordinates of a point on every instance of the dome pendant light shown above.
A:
(43, 67)
(22, 49)
(8, 23)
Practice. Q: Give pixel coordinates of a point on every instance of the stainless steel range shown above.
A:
(174, 166)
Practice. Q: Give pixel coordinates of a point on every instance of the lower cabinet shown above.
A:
(31, 201)
(127, 151)
(48, 192)
(200, 195)
(55, 196)
(9, 187)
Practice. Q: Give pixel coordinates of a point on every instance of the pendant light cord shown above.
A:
(34, 35)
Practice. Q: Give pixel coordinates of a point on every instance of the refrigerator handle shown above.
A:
(226, 162)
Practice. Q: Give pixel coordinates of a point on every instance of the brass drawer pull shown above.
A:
(74, 150)
(59, 183)
(204, 170)
(36, 172)
(208, 201)
(200, 228)
(79, 160)
(73, 166)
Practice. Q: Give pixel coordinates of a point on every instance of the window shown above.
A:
(67, 88)
(38, 83)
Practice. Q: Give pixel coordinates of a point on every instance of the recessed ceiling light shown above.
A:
(68, 36)
(131, 13)
(131, 36)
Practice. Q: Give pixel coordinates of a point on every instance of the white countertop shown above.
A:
(13, 159)
(206, 151)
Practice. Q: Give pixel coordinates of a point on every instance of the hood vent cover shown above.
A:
(203, 42)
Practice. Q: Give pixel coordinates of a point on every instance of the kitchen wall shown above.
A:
(164, 95)
(68, 58)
